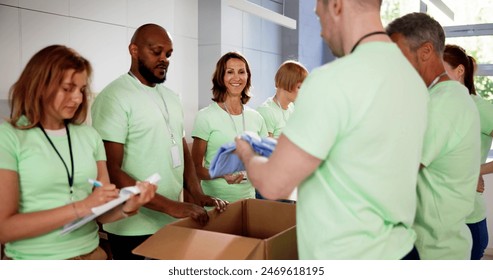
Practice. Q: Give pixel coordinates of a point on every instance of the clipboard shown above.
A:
(124, 195)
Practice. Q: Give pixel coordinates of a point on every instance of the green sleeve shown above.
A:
(110, 118)
(201, 127)
(8, 146)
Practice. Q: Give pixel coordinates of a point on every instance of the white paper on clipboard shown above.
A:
(124, 195)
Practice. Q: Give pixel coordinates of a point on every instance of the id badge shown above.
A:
(175, 156)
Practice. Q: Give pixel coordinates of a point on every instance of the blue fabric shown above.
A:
(479, 232)
(227, 162)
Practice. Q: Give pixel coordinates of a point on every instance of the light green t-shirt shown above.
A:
(44, 185)
(214, 125)
(133, 114)
(275, 117)
(485, 109)
(364, 116)
(447, 182)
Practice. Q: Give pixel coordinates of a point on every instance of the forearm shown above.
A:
(265, 182)
(277, 176)
(28, 225)
(191, 182)
(120, 178)
(486, 168)
(165, 205)
(202, 173)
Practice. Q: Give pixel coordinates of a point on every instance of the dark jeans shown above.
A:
(479, 232)
(122, 246)
(413, 255)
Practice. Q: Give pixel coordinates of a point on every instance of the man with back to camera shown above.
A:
(451, 151)
(141, 123)
(356, 135)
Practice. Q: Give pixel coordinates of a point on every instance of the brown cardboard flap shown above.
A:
(264, 219)
(285, 240)
(179, 243)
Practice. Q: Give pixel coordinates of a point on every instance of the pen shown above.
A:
(95, 183)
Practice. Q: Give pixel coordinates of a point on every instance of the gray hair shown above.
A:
(419, 28)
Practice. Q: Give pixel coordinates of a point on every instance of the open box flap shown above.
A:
(179, 243)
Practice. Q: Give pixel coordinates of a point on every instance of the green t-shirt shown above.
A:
(133, 114)
(485, 109)
(43, 185)
(275, 117)
(214, 125)
(447, 182)
(364, 116)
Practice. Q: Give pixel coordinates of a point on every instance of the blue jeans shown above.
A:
(479, 232)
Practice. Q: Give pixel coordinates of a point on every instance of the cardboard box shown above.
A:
(249, 229)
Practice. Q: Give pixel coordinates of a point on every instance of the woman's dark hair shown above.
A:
(455, 56)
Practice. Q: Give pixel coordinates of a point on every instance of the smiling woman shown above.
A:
(221, 122)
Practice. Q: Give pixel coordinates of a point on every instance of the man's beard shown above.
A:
(148, 75)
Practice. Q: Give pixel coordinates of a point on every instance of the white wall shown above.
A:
(100, 31)
(257, 39)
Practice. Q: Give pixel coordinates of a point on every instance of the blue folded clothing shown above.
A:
(226, 162)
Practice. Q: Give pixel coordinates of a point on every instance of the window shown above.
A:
(465, 24)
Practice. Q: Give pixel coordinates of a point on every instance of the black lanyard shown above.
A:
(366, 36)
(69, 176)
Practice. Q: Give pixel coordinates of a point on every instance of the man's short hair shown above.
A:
(419, 28)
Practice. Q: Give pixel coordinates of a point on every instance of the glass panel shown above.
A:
(465, 12)
(392, 9)
(484, 87)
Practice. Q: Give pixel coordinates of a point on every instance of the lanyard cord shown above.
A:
(166, 115)
(166, 119)
(366, 36)
(242, 115)
(435, 81)
(70, 176)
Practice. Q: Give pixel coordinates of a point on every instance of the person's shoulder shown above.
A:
(212, 107)
(117, 86)
(452, 89)
(265, 111)
(8, 131)
(83, 128)
(330, 70)
(451, 96)
(6, 127)
(249, 110)
(22, 121)
(480, 101)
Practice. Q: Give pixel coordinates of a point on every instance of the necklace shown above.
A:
(366, 36)
(435, 81)
(70, 177)
(231, 117)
